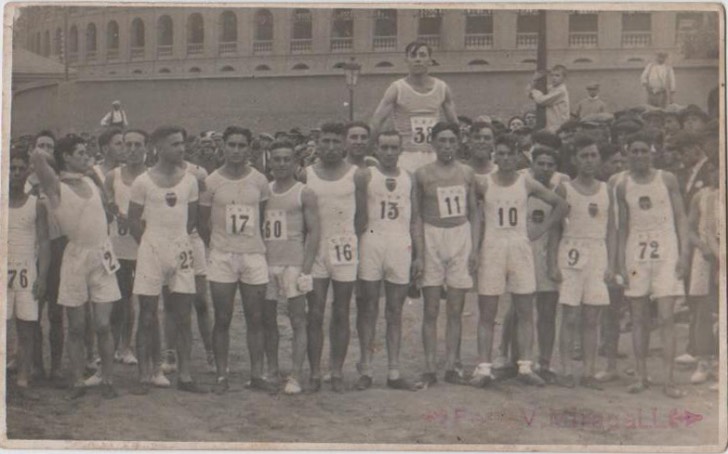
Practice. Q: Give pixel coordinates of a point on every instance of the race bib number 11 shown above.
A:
(451, 201)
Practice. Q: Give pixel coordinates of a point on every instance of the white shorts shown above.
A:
(583, 264)
(701, 275)
(230, 267)
(84, 278)
(20, 299)
(385, 257)
(337, 258)
(163, 261)
(413, 160)
(541, 265)
(651, 260)
(198, 249)
(447, 251)
(282, 283)
(506, 266)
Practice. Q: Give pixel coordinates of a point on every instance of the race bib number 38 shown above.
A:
(342, 250)
(239, 220)
(275, 227)
(422, 129)
(451, 201)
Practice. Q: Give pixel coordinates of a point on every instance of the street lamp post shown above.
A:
(351, 69)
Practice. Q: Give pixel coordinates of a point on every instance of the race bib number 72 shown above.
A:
(648, 247)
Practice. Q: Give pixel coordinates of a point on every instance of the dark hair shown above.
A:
(508, 140)
(282, 144)
(583, 141)
(163, 132)
(19, 153)
(106, 136)
(445, 126)
(66, 145)
(608, 149)
(414, 46)
(356, 124)
(466, 120)
(639, 136)
(43, 133)
(230, 130)
(141, 132)
(561, 68)
(540, 151)
(513, 118)
(333, 128)
(480, 125)
(389, 133)
(547, 139)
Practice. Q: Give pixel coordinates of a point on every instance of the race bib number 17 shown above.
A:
(239, 220)
(451, 201)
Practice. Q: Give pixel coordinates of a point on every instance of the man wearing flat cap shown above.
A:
(658, 78)
(693, 119)
(116, 117)
(592, 104)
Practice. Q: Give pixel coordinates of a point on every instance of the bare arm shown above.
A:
(204, 213)
(415, 221)
(448, 107)
(50, 185)
(560, 207)
(44, 249)
(361, 182)
(418, 236)
(475, 221)
(693, 221)
(135, 221)
(383, 111)
(109, 194)
(681, 219)
(547, 99)
(612, 246)
(622, 231)
(192, 209)
(552, 246)
(313, 229)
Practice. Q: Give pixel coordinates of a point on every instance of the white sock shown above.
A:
(524, 367)
(393, 374)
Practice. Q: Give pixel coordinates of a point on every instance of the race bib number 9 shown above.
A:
(239, 220)
(275, 227)
(574, 255)
(342, 250)
(451, 201)
(422, 129)
(108, 257)
(649, 246)
(19, 275)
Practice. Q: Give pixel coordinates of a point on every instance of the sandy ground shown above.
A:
(506, 413)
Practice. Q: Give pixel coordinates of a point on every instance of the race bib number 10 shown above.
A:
(342, 250)
(451, 201)
(422, 129)
(275, 227)
(239, 220)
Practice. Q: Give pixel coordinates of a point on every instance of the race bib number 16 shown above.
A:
(342, 250)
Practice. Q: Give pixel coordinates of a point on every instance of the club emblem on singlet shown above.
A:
(171, 199)
(390, 184)
(593, 210)
(537, 216)
(645, 202)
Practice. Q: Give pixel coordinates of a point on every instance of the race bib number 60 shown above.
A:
(451, 201)
(239, 220)
(342, 250)
(275, 227)
(422, 129)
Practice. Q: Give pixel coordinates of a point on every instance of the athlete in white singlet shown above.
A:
(415, 103)
(585, 260)
(653, 254)
(385, 254)
(332, 180)
(118, 192)
(28, 246)
(231, 211)
(291, 234)
(449, 225)
(111, 145)
(89, 262)
(166, 195)
(506, 255)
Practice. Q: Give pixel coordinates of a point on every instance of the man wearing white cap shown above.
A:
(116, 117)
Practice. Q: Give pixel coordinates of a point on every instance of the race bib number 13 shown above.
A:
(422, 129)
(342, 250)
(239, 220)
(451, 201)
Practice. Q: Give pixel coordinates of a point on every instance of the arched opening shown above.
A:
(227, 69)
(228, 27)
(73, 39)
(195, 34)
(164, 71)
(58, 42)
(339, 65)
(91, 41)
(112, 40)
(301, 30)
(137, 38)
(300, 67)
(583, 60)
(195, 69)
(262, 68)
(137, 71)
(165, 36)
(263, 32)
(383, 64)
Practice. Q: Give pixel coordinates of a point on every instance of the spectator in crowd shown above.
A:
(672, 123)
(515, 123)
(658, 78)
(693, 119)
(116, 117)
(530, 119)
(654, 118)
(592, 104)
(556, 100)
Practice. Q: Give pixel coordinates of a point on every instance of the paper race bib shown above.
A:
(239, 220)
(275, 227)
(342, 249)
(574, 254)
(108, 258)
(19, 274)
(508, 214)
(390, 207)
(451, 201)
(422, 129)
(649, 247)
(185, 256)
(120, 227)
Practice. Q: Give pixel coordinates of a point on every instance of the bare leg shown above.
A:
(102, 324)
(590, 325)
(203, 313)
(297, 313)
(488, 308)
(223, 295)
(566, 338)
(339, 332)
(366, 319)
(431, 298)
(453, 331)
(271, 337)
(181, 304)
(26, 344)
(395, 297)
(640, 333)
(147, 342)
(253, 297)
(546, 303)
(76, 333)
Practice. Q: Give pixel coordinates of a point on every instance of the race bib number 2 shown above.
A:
(451, 201)
(342, 250)
(275, 227)
(108, 257)
(239, 220)
(422, 129)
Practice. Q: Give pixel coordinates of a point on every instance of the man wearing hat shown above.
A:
(592, 104)
(693, 119)
(658, 78)
(116, 117)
